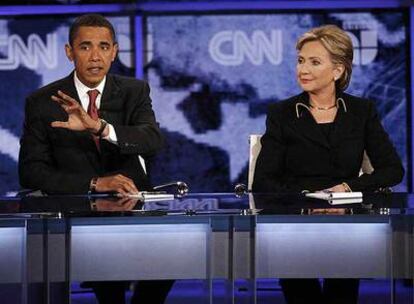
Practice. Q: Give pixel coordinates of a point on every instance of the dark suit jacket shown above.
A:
(296, 155)
(57, 160)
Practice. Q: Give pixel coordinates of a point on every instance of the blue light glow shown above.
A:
(266, 5)
(63, 9)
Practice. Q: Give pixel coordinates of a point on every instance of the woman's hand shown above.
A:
(337, 188)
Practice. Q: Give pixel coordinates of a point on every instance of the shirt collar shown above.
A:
(304, 103)
(83, 89)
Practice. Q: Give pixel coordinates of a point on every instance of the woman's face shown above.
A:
(316, 73)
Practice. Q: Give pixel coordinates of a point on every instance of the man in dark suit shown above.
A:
(83, 133)
(63, 148)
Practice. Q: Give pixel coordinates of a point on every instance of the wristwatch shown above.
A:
(92, 185)
(102, 128)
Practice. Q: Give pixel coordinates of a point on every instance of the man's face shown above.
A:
(92, 53)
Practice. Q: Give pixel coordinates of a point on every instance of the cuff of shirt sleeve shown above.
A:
(111, 137)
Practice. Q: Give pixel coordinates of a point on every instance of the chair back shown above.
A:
(254, 148)
(366, 166)
(142, 162)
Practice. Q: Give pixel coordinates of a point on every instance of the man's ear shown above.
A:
(68, 50)
(115, 51)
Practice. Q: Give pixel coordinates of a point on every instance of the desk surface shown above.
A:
(219, 235)
(201, 204)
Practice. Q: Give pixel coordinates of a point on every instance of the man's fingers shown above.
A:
(122, 192)
(127, 183)
(55, 98)
(60, 124)
(131, 187)
(68, 109)
(64, 103)
(119, 183)
(66, 98)
(70, 105)
(60, 100)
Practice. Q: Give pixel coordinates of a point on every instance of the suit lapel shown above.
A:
(345, 124)
(68, 87)
(112, 101)
(111, 109)
(306, 124)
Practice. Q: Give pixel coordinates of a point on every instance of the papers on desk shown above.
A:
(145, 196)
(337, 198)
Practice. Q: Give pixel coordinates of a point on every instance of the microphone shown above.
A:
(240, 190)
(182, 188)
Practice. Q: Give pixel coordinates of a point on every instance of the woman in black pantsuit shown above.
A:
(315, 141)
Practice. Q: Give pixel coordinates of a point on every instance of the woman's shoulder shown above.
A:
(357, 104)
(284, 106)
(353, 98)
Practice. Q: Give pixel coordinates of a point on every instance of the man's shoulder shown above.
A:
(358, 105)
(48, 89)
(355, 99)
(126, 81)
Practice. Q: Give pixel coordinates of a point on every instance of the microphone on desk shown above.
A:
(240, 190)
(182, 187)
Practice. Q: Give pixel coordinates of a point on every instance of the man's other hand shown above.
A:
(119, 183)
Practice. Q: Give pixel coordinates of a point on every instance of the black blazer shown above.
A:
(296, 155)
(57, 160)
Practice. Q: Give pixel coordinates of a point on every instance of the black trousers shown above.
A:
(146, 292)
(333, 291)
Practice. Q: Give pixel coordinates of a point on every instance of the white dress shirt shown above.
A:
(84, 99)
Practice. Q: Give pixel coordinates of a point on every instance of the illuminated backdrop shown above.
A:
(212, 76)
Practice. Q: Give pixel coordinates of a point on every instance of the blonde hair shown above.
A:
(338, 44)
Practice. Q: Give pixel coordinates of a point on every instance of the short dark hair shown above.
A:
(94, 20)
